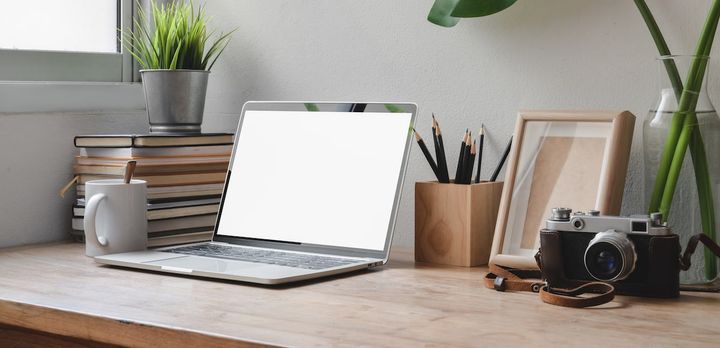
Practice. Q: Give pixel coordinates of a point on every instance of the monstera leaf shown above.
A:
(447, 13)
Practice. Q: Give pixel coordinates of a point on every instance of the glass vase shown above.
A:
(684, 217)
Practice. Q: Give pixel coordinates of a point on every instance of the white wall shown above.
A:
(37, 156)
(537, 54)
(565, 54)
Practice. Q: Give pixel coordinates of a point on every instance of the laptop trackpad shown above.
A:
(206, 264)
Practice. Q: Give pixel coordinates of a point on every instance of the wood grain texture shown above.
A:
(57, 289)
(454, 224)
(15, 337)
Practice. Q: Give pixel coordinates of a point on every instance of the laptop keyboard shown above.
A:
(273, 257)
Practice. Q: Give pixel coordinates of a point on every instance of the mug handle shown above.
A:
(91, 209)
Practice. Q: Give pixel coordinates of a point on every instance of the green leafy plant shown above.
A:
(447, 13)
(684, 132)
(178, 41)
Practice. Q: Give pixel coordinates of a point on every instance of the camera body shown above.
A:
(637, 254)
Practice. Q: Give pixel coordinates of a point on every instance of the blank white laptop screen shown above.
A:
(326, 178)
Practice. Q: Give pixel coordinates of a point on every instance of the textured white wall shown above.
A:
(537, 54)
(37, 156)
(559, 54)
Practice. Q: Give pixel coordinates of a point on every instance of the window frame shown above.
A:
(61, 66)
(53, 91)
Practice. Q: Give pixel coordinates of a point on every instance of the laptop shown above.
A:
(312, 190)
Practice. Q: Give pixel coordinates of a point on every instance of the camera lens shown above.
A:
(610, 256)
(603, 261)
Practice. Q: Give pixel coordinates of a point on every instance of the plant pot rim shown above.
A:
(174, 70)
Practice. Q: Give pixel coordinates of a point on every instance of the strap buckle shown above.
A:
(499, 284)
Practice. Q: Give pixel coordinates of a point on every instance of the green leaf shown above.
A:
(479, 8)
(394, 108)
(311, 107)
(179, 38)
(440, 13)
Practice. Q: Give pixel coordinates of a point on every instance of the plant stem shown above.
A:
(662, 47)
(704, 188)
(688, 103)
(676, 123)
(696, 144)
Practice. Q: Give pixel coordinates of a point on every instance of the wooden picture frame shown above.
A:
(573, 159)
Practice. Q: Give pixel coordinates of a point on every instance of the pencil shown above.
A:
(480, 152)
(502, 160)
(466, 160)
(427, 154)
(129, 171)
(436, 146)
(473, 152)
(460, 158)
(442, 160)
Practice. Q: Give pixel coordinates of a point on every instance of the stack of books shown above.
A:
(184, 173)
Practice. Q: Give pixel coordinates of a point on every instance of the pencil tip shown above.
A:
(417, 135)
(482, 130)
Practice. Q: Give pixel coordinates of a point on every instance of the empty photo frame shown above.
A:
(567, 159)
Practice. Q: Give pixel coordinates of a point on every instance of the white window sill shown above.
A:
(35, 97)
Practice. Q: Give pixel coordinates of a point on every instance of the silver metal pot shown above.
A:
(175, 99)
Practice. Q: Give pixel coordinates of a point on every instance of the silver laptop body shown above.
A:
(288, 248)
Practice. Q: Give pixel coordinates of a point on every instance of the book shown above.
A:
(141, 161)
(206, 221)
(194, 237)
(183, 211)
(173, 196)
(150, 169)
(140, 152)
(79, 207)
(167, 213)
(153, 140)
(164, 180)
(172, 189)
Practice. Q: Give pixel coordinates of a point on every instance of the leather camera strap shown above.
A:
(692, 245)
(583, 294)
(601, 293)
(512, 279)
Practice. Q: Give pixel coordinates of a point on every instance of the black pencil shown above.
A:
(480, 152)
(460, 158)
(442, 160)
(502, 160)
(466, 160)
(427, 154)
(436, 146)
(473, 152)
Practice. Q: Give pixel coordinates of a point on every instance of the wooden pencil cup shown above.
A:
(454, 224)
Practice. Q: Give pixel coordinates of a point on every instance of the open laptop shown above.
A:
(312, 190)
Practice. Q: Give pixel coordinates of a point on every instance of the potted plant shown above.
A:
(176, 55)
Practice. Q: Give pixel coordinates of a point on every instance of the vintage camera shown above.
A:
(637, 254)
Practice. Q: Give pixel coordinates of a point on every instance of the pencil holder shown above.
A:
(454, 224)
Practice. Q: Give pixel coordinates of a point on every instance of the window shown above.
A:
(64, 40)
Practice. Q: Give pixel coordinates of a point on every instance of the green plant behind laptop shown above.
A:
(178, 40)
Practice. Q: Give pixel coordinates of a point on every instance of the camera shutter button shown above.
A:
(561, 214)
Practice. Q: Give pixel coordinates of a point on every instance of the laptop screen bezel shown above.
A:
(315, 248)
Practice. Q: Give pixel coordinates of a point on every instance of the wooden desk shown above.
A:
(56, 289)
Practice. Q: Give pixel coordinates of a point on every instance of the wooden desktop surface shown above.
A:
(56, 289)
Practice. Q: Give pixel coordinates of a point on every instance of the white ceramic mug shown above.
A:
(115, 216)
